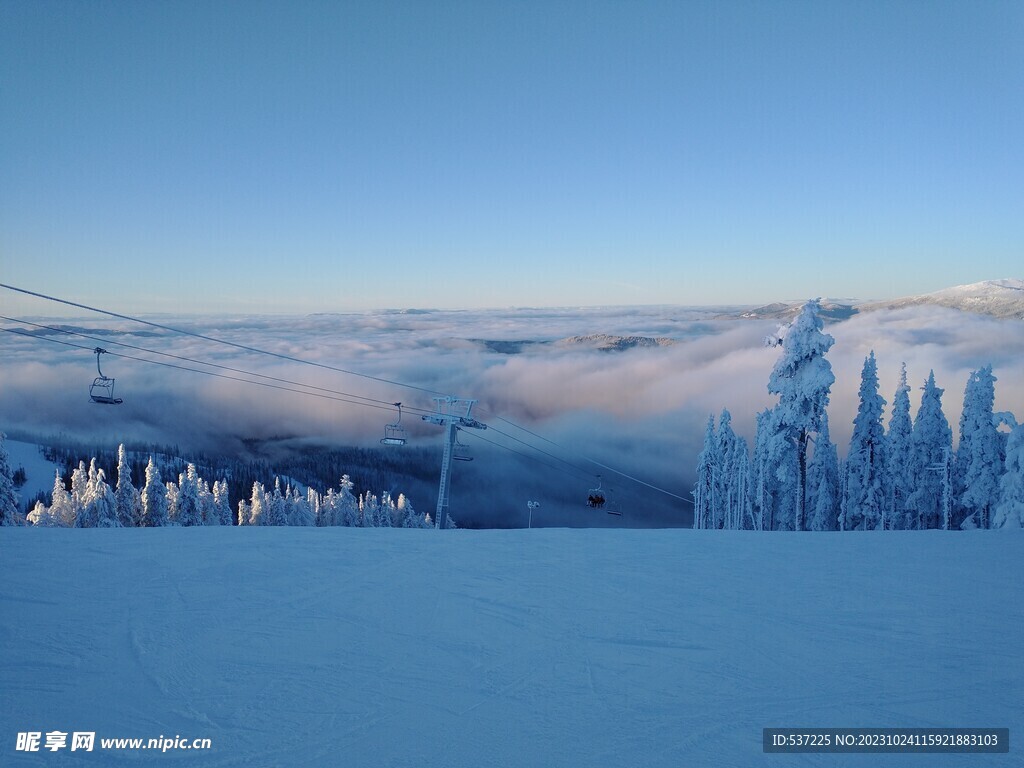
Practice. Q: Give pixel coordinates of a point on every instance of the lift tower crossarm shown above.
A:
(452, 413)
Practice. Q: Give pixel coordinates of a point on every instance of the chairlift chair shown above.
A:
(596, 496)
(395, 434)
(102, 389)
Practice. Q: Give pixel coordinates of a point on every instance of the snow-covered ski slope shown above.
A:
(383, 647)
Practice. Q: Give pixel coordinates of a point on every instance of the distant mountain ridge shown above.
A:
(998, 298)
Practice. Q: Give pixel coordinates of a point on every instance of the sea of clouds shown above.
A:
(641, 411)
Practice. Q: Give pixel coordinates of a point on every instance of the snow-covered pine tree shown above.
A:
(173, 492)
(86, 510)
(724, 480)
(328, 515)
(41, 517)
(410, 517)
(9, 514)
(979, 460)
(731, 478)
(1009, 512)
(221, 503)
(933, 444)
(900, 455)
(126, 499)
(823, 483)
(206, 510)
(313, 500)
(244, 513)
(740, 504)
(348, 512)
(369, 507)
(277, 513)
(62, 510)
(865, 461)
(259, 505)
(760, 493)
(190, 512)
(104, 506)
(154, 498)
(79, 485)
(300, 512)
(704, 502)
(802, 378)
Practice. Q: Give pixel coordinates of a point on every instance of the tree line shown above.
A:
(906, 477)
(89, 501)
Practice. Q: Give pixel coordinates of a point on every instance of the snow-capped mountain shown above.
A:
(999, 298)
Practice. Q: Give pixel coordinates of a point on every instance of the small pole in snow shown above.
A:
(532, 505)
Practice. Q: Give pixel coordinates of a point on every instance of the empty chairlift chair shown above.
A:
(102, 389)
(395, 434)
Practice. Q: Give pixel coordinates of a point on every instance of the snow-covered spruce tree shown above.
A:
(126, 499)
(933, 445)
(900, 455)
(704, 502)
(79, 484)
(244, 513)
(348, 506)
(1009, 512)
(313, 500)
(802, 379)
(62, 510)
(41, 517)
(173, 492)
(743, 518)
(775, 474)
(277, 513)
(190, 512)
(386, 516)
(221, 503)
(865, 461)
(103, 503)
(369, 507)
(760, 493)
(823, 483)
(299, 510)
(9, 501)
(731, 479)
(154, 498)
(327, 515)
(980, 459)
(410, 517)
(259, 505)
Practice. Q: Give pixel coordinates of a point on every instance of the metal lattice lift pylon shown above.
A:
(453, 414)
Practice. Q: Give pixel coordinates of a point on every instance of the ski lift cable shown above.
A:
(559, 459)
(473, 434)
(290, 358)
(197, 370)
(234, 344)
(593, 461)
(478, 436)
(57, 329)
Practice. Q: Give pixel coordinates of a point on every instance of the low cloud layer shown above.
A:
(641, 411)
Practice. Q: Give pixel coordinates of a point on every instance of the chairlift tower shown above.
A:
(453, 414)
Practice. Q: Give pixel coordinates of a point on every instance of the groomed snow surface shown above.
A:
(597, 648)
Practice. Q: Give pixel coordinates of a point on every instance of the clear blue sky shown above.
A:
(310, 156)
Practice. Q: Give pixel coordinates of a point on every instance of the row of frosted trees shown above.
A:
(91, 502)
(906, 477)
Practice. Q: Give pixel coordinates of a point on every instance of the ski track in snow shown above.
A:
(356, 647)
